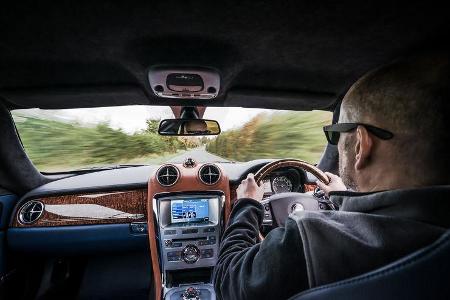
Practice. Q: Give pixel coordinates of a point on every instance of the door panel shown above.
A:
(7, 202)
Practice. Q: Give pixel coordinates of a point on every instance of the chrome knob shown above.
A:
(191, 294)
(190, 254)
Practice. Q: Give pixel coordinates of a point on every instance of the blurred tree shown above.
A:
(57, 145)
(152, 125)
(279, 135)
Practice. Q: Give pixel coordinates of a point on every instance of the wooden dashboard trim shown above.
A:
(188, 182)
(106, 207)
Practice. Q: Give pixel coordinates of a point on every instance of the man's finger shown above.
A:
(321, 185)
(331, 175)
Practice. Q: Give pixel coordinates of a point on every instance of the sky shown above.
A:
(132, 118)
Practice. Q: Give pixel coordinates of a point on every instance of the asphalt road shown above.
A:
(199, 155)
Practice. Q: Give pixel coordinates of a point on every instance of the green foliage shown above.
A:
(58, 146)
(279, 135)
(53, 145)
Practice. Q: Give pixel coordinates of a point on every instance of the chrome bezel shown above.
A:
(25, 206)
(207, 165)
(167, 165)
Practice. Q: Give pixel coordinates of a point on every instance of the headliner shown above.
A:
(280, 54)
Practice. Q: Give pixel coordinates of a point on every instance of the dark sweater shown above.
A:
(315, 248)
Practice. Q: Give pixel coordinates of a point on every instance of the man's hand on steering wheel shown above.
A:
(249, 189)
(335, 184)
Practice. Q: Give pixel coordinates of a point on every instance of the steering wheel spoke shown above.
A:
(283, 204)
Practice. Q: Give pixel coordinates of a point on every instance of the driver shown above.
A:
(394, 160)
(196, 126)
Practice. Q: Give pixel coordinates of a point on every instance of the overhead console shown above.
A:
(188, 206)
(184, 83)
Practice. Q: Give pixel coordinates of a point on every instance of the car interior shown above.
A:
(153, 231)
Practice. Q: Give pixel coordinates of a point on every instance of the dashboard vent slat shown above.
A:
(168, 175)
(31, 211)
(209, 174)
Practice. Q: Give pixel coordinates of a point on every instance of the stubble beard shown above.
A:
(346, 166)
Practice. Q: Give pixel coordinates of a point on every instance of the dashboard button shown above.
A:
(170, 232)
(207, 253)
(210, 229)
(174, 256)
(189, 231)
(211, 240)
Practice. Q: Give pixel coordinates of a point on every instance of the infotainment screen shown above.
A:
(189, 210)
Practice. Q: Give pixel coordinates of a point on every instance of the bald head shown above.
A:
(410, 98)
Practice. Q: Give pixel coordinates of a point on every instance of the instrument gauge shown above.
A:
(281, 184)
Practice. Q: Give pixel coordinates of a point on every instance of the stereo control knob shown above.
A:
(190, 254)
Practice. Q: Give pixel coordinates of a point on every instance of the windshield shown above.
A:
(73, 139)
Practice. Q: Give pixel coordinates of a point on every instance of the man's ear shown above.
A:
(363, 148)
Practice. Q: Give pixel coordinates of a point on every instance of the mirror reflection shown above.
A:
(188, 127)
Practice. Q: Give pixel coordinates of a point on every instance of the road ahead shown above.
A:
(199, 155)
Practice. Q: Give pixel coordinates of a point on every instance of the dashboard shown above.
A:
(176, 211)
(120, 196)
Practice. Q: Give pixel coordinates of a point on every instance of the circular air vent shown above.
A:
(30, 212)
(167, 175)
(209, 174)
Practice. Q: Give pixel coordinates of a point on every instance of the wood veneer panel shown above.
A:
(113, 207)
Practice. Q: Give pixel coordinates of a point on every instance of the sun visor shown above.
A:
(76, 97)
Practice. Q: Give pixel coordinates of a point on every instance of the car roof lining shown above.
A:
(269, 54)
(133, 95)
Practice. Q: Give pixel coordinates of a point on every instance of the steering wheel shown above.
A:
(279, 206)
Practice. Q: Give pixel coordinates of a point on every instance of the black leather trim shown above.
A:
(76, 240)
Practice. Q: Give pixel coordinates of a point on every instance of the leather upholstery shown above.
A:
(422, 275)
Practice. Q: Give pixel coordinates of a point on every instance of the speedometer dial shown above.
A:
(281, 184)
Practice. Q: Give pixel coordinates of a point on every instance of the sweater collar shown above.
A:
(430, 204)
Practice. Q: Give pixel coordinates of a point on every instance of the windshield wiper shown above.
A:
(93, 169)
(120, 166)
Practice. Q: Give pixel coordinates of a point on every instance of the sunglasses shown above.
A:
(333, 132)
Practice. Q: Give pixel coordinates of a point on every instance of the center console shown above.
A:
(189, 228)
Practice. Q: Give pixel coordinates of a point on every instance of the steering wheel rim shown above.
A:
(282, 163)
(287, 200)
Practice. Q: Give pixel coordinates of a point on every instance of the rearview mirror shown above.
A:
(188, 127)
